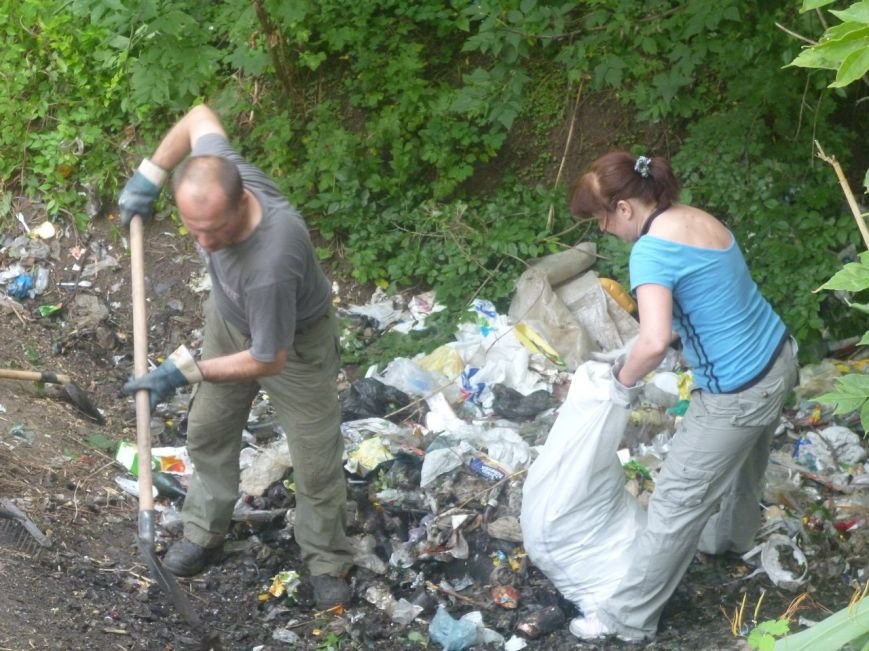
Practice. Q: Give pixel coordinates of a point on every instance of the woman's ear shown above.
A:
(624, 208)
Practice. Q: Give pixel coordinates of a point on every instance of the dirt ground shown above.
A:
(91, 589)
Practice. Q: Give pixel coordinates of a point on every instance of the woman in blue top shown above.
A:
(689, 278)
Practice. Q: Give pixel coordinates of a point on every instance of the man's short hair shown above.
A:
(206, 170)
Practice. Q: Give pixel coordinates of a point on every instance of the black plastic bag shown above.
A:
(370, 398)
(512, 405)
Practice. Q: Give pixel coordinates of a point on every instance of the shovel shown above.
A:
(164, 578)
(76, 395)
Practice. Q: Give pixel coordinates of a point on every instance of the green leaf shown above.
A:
(119, 42)
(864, 416)
(857, 13)
(101, 442)
(849, 393)
(808, 5)
(527, 5)
(853, 67)
(834, 48)
(417, 638)
(853, 277)
(777, 627)
(5, 204)
(760, 640)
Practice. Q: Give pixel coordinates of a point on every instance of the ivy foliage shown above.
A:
(393, 125)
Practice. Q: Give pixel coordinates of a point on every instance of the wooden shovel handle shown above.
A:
(140, 362)
(34, 376)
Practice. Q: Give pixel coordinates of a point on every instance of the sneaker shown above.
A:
(186, 558)
(588, 628)
(330, 591)
(591, 628)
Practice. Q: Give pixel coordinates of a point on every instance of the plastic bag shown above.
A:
(408, 376)
(512, 405)
(578, 522)
(458, 634)
(371, 398)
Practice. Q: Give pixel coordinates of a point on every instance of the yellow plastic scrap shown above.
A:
(651, 417)
(619, 294)
(535, 343)
(369, 454)
(851, 365)
(445, 359)
(686, 383)
(515, 560)
(284, 583)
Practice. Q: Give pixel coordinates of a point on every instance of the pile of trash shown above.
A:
(460, 460)
(38, 267)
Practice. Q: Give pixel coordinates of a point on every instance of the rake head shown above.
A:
(18, 533)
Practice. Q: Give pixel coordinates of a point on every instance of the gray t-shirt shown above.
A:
(271, 281)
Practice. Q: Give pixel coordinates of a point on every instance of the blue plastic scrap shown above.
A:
(452, 634)
(20, 286)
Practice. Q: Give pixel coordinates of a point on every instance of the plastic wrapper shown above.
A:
(367, 455)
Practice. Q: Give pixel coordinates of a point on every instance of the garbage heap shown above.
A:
(438, 448)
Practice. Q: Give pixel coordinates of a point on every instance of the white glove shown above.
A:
(621, 395)
(611, 356)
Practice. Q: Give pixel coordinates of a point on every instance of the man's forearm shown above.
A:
(179, 140)
(239, 367)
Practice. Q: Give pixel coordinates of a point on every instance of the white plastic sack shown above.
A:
(578, 522)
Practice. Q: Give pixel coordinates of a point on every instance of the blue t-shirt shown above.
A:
(729, 331)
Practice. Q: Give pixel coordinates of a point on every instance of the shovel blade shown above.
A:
(166, 580)
(81, 400)
(163, 577)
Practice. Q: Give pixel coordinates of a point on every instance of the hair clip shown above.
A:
(641, 167)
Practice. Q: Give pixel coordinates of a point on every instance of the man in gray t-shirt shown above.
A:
(268, 325)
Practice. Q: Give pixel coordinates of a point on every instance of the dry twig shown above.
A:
(846, 188)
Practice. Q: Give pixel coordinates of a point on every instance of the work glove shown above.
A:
(611, 356)
(621, 395)
(178, 370)
(141, 191)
